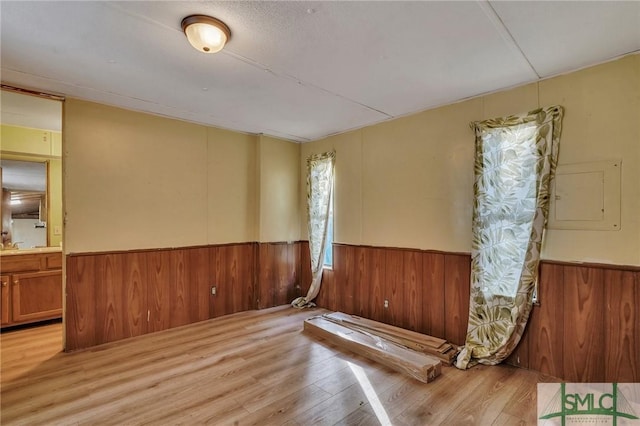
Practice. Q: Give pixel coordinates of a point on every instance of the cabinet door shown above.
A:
(4, 305)
(37, 296)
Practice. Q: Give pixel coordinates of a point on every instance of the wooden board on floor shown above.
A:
(429, 345)
(417, 365)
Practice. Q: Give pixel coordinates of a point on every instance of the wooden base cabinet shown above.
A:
(31, 288)
(36, 296)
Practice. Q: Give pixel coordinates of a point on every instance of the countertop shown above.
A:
(14, 252)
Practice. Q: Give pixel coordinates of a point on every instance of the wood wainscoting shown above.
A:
(426, 292)
(278, 274)
(586, 327)
(116, 295)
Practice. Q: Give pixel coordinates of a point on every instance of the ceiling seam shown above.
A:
(286, 76)
(506, 35)
(132, 14)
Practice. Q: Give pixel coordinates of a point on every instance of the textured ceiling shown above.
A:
(304, 70)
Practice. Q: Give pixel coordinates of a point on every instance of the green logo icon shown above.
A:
(587, 404)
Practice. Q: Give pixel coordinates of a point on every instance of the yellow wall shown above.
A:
(56, 144)
(409, 182)
(54, 225)
(347, 197)
(135, 181)
(23, 140)
(139, 181)
(231, 176)
(278, 177)
(602, 122)
(132, 180)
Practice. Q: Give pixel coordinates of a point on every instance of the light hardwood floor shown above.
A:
(255, 367)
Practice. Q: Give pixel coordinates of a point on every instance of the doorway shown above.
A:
(31, 209)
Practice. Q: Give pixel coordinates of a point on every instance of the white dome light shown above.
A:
(206, 34)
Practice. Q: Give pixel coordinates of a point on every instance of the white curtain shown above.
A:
(319, 186)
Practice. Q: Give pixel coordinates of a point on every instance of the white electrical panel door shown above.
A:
(586, 196)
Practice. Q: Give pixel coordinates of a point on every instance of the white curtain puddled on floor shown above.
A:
(515, 161)
(319, 186)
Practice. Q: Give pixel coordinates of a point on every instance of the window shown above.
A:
(514, 161)
(320, 214)
(328, 251)
(505, 207)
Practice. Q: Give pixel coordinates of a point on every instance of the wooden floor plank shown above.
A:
(488, 399)
(286, 408)
(255, 367)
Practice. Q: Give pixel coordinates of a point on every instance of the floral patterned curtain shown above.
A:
(515, 160)
(319, 186)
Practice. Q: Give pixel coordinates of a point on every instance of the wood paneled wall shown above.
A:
(113, 296)
(278, 275)
(586, 327)
(426, 292)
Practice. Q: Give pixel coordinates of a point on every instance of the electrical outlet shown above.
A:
(57, 230)
(213, 290)
(386, 304)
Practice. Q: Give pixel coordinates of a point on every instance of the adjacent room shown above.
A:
(253, 212)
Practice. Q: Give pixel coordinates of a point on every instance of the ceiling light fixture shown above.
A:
(205, 33)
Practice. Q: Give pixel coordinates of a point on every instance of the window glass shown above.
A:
(328, 251)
